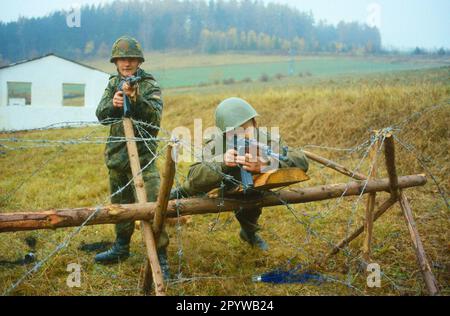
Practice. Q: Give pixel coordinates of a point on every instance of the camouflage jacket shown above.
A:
(205, 176)
(147, 108)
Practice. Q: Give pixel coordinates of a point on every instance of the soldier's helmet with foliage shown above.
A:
(233, 112)
(126, 46)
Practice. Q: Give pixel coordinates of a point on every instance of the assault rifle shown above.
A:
(244, 145)
(132, 81)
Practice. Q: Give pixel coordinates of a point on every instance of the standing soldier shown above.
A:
(146, 106)
(231, 115)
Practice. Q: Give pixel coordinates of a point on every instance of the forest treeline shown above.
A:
(206, 26)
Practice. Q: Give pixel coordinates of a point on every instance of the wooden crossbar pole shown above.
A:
(167, 178)
(368, 223)
(334, 165)
(116, 213)
(344, 242)
(424, 266)
(389, 152)
(142, 198)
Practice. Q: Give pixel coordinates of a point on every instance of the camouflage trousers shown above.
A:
(249, 219)
(118, 179)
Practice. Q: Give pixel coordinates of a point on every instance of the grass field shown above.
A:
(322, 111)
(174, 70)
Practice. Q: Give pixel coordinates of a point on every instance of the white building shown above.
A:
(47, 90)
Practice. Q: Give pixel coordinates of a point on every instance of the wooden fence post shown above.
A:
(368, 223)
(344, 242)
(167, 178)
(389, 151)
(334, 165)
(142, 198)
(424, 266)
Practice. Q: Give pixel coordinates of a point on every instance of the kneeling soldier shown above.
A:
(146, 106)
(234, 116)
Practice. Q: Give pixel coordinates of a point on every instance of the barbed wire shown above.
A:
(75, 232)
(410, 148)
(350, 150)
(331, 244)
(36, 171)
(145, 137)
(237, 182)
(355, 204)
(63, 125)
(420, 113)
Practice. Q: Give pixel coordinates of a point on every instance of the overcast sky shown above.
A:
(403, 23)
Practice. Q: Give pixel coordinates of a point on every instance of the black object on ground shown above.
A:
(96, 246)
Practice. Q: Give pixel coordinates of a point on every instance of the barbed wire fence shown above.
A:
(305, 219)
(291, 209)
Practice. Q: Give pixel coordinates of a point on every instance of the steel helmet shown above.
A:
(233, 112)
(126, 46)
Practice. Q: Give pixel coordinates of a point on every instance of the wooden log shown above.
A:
(167, 178)
(389, 152)
(116, 213)
(368, 223)
(393, 188)
(152, 265)
(344, 242)
(335, 166)
(424, 266)
(142, 199)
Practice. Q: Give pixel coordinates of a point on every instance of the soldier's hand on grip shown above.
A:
(118, 99)
(230, 158)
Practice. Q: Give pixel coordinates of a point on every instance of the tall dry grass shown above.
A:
(332, 114)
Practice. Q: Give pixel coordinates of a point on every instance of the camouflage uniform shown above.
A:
(205, 176)
(148, 109)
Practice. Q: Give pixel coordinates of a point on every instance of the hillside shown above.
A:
(318, 115)
(205, 26)
(181, 69)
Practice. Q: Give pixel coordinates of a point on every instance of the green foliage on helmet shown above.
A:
(233, 112)
(126, 47)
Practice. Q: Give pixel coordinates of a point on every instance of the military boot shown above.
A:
(164, 263)
(254, 240)
(120, 250)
